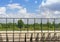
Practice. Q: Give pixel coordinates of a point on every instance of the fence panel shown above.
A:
(29, 29)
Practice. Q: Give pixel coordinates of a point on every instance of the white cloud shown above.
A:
(3, 15)
(52, 5)
(57, 12)
(22, 11)
(2, 10)
(15, 5)
(49, 2)
(50, 9)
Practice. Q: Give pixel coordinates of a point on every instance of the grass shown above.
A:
(30, 28)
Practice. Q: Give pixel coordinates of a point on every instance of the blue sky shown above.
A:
(30, 5)
(30, 8)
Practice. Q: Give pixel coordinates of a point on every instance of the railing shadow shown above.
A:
(37, 38)
(31, 38)
(42, 37)
(7, 40)
(48, 38)
(1, 39)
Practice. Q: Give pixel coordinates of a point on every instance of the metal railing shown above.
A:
(37, 27)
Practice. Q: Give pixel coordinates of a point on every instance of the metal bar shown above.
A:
(41, 28)
(54, 24)
(27, 25)
(41, 25)
(20, 34)
(29, 18)
(6, 31)
(48, 25)
(13, 30)
(54, 29)
(34, 24)
(34, 27)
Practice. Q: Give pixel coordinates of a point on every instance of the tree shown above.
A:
(20, 23)
(49, 25)
(53, 24)
(59, 25)
(0, 26)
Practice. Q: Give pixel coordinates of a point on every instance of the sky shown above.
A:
(30, 8)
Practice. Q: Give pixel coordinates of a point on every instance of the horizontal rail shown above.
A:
(29, 18)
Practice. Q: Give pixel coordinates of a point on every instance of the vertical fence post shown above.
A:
(6, 31)
(37, 38)
(48, 24)
(41, 30)
(13, 29)
(48, 37)
(54, 30)
(27, 24)
(54, 25)
(34, 27)
(20, 32)
(27, 29)
(41, 25)
(34, 24)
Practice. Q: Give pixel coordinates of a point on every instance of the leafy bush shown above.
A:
(20, 23)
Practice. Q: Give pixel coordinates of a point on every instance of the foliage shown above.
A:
(20, 23)
(23, 26)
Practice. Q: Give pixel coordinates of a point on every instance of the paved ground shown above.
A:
(29, 36)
